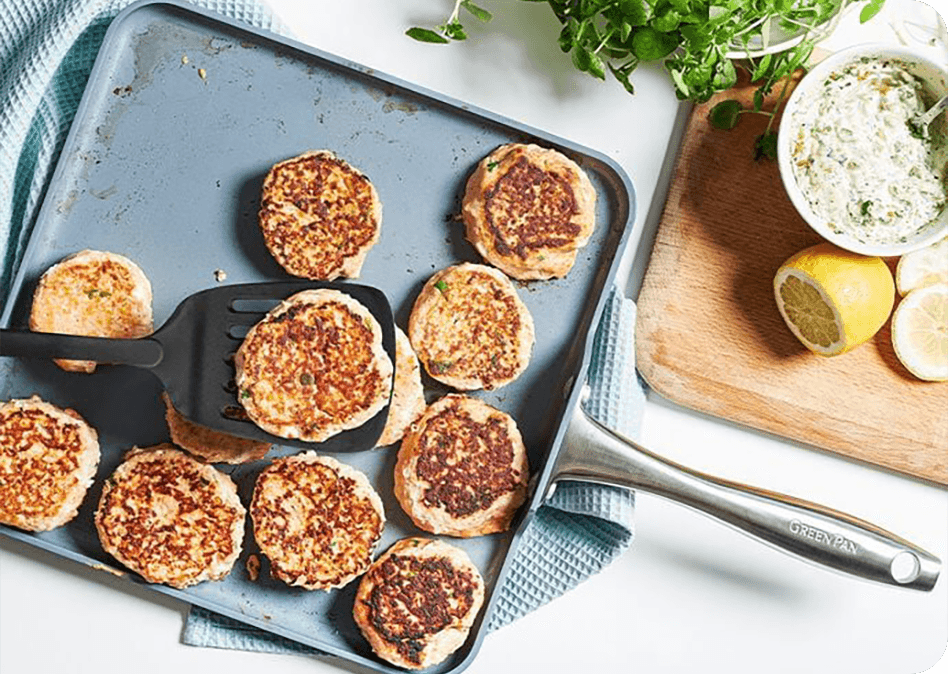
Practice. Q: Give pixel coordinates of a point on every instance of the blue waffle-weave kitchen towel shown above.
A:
(47, 48)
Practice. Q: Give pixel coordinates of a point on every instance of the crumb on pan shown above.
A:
(253, 568)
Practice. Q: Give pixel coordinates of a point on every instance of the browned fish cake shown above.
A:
(171, 518)
(470, 329)
(48, 459)
(417, 603)
(92, 293)
(207, 444)
(316, 519)
(313, 367)
(408, 394)
(462, 468)
(528, 209)
(319, 216)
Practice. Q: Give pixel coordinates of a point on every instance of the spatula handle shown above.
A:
(144, 352)
(815, 533)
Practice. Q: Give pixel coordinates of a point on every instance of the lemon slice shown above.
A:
(920, 332)
(833, 300)
(923, 267)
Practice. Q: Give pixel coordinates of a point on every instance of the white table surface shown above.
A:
(690, 595)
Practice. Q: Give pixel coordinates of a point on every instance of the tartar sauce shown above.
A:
(862, 167)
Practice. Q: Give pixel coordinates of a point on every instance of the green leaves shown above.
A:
(651, 44)
(872, 8)
(425, 35)
(725, 114)
(452, 29)
(479, 12)
(766, 146)
(588, 62)
(692, 37)
(633, 12)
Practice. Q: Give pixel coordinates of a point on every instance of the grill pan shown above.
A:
(183, 115)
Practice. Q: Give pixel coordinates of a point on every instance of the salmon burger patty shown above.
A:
(48, 460)
(408, 394)
(528, 210)
(469, 328)
(462, 469)
(416, 604)
(171, 518)
(314, 367)
(96, 294)
(319, 216)
(317, 520)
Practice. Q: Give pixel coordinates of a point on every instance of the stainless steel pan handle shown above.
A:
(593, 453)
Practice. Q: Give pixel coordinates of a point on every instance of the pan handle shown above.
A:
(593, 453)
(144, 352)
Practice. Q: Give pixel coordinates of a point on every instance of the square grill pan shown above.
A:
(183, 115)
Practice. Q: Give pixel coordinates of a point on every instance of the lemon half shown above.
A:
(833, 300)
(920, 332)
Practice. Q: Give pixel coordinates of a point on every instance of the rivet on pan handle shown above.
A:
(814, 533)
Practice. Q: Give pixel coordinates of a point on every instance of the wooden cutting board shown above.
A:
(709, 335)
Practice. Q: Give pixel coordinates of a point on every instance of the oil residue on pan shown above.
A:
(182, 118)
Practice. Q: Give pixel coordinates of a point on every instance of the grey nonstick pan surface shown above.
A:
(182, 117)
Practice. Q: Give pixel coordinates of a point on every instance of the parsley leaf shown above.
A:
(425, 35)
(725, 114)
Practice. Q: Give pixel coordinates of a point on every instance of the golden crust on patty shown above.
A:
(207, 444)
(171, 518)
(417, 603)
(470, 329)
(462, 469)
(319, 216)
(92, 293)
(313, 367)
(48, 459)
(528, 209)
(316, 519)
(408, 394)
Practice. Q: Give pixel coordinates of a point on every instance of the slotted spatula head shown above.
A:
(205, 331)
(193, 355)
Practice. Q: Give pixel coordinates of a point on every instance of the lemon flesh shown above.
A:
(833, 300)
(920, 332)
(924, 267)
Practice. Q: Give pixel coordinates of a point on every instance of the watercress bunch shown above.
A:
(696, 39)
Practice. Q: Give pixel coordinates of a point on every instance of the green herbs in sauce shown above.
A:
(857, 160)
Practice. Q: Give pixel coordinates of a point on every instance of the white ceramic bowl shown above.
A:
(935, 79)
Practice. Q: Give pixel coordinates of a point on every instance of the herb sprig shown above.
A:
(693, 37)
(451, 29)
(772, 69)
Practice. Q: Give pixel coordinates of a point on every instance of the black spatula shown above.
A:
(192, 354)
